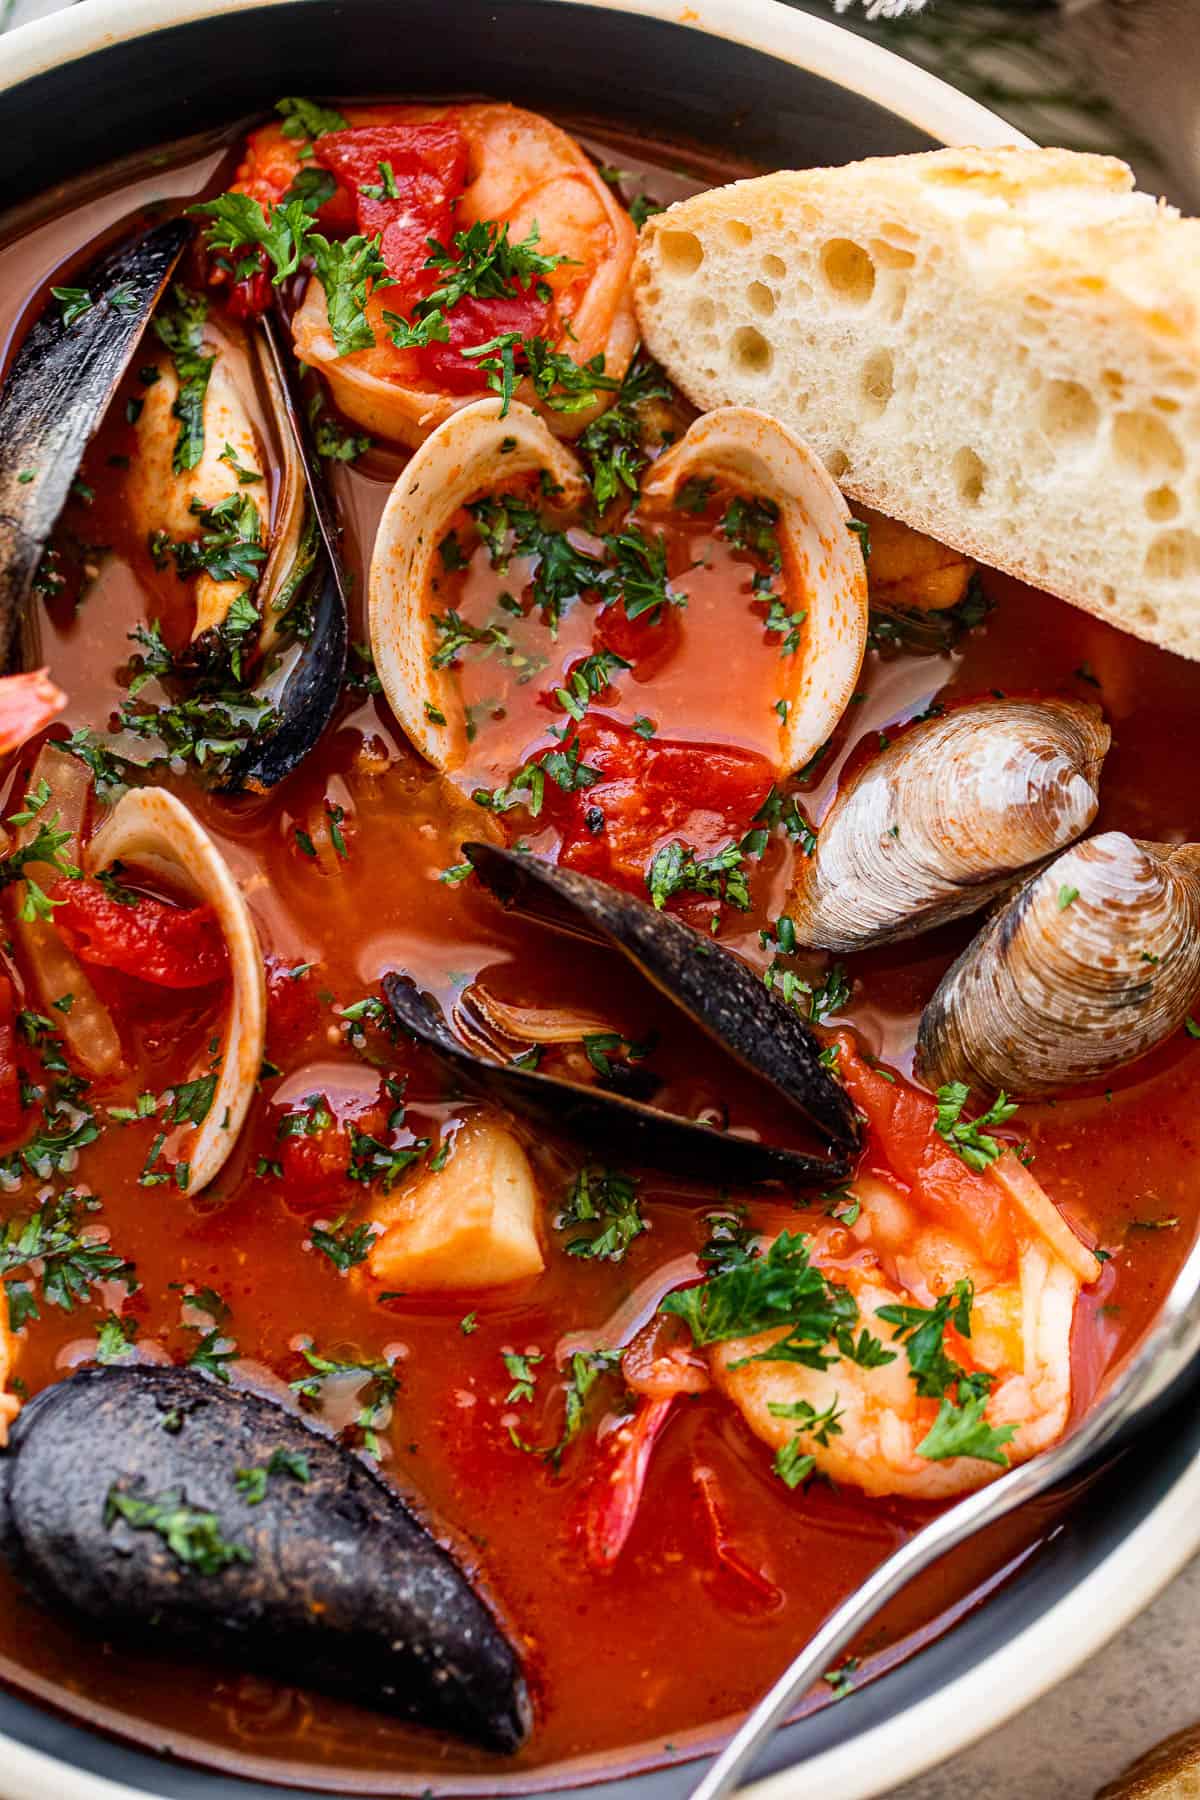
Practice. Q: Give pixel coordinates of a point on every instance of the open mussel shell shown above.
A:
(946, 817)
(1091, 964)
(327, 1580)
(714, 988)
(60, 383)
(609, 1124)
(303, 581)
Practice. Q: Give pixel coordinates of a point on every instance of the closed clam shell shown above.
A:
(945, 818)
(1094, 962)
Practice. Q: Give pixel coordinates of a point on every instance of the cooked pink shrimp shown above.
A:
(475, 163)
(27, 702)
(1020, 1335)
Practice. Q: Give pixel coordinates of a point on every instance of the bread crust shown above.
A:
(1000, 348)
(1171, 1771)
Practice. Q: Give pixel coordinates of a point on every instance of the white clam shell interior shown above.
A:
(476, 451)
(747, 450)
(152, 830)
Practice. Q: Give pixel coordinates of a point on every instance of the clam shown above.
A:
(323, 1577)
(481, 450)
(150, 829)
(755, 455)
(478, 450)
(1094, 961)
(245, 430)
(61, 380)
(716, 991)
(947, 817)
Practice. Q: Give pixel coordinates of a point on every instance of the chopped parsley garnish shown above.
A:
(346, 1246)
(308, 119)
(676, 869)
(179, 327)
(968, 1137)
(74, 301)
(251, 1483)
(192, 1536)
(114, 1340)
(344, 267)
(522, 1372)
(607, 1201)
(378, 1382)
(959, 1429)
(612, 444)
(640, 572)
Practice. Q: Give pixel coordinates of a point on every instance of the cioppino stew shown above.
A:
(559, 1082)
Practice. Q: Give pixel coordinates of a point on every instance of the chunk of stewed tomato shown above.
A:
(169, 946)
(270, 168)
(904, 1143)
(404, 180)
(646, 792)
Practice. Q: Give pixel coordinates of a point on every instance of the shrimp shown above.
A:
(989, 1246)
(27, 703)
(460, 166)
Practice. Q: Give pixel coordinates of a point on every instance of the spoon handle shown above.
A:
(819, 1655)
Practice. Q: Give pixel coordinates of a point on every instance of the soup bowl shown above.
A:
(772, 87)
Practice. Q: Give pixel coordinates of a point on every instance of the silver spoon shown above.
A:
(1141, 1385)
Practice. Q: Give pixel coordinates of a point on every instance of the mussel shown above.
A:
(152, 1500)
(61, 380)
(482, 450)
(221, 450)
(714, 988)
(231, 454)
(947, 817)
(1091, 964)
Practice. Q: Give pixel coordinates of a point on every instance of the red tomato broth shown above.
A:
(647, 1658)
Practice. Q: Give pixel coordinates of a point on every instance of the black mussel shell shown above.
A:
(60, 383)
(710, 984)
(314, 680)
(329, 1581)
(609, 1123)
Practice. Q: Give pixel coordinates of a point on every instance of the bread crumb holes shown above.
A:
(848, 270)
(877, 383)
(702, 311)
(969, 476)
(1069, 413)
(737, 233)
(774, 266)
(1161, 503)
(1145, 444)
(1174, 556)
(760, 299)
(749, 351)
(680, 252)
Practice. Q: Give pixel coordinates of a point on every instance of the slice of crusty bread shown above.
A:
(1001, 348)
(1171, 1771)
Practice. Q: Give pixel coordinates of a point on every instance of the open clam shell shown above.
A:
(716, 990)
(150, 829)
(823, 567)
(1091, 964)
(946, 817)
(61, 380)
(477, 451)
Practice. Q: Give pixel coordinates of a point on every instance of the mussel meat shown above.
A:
(1091, 964)
(60, 383)
(318, 1575)
(946, 817)
(274, 605)
(714, 988)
